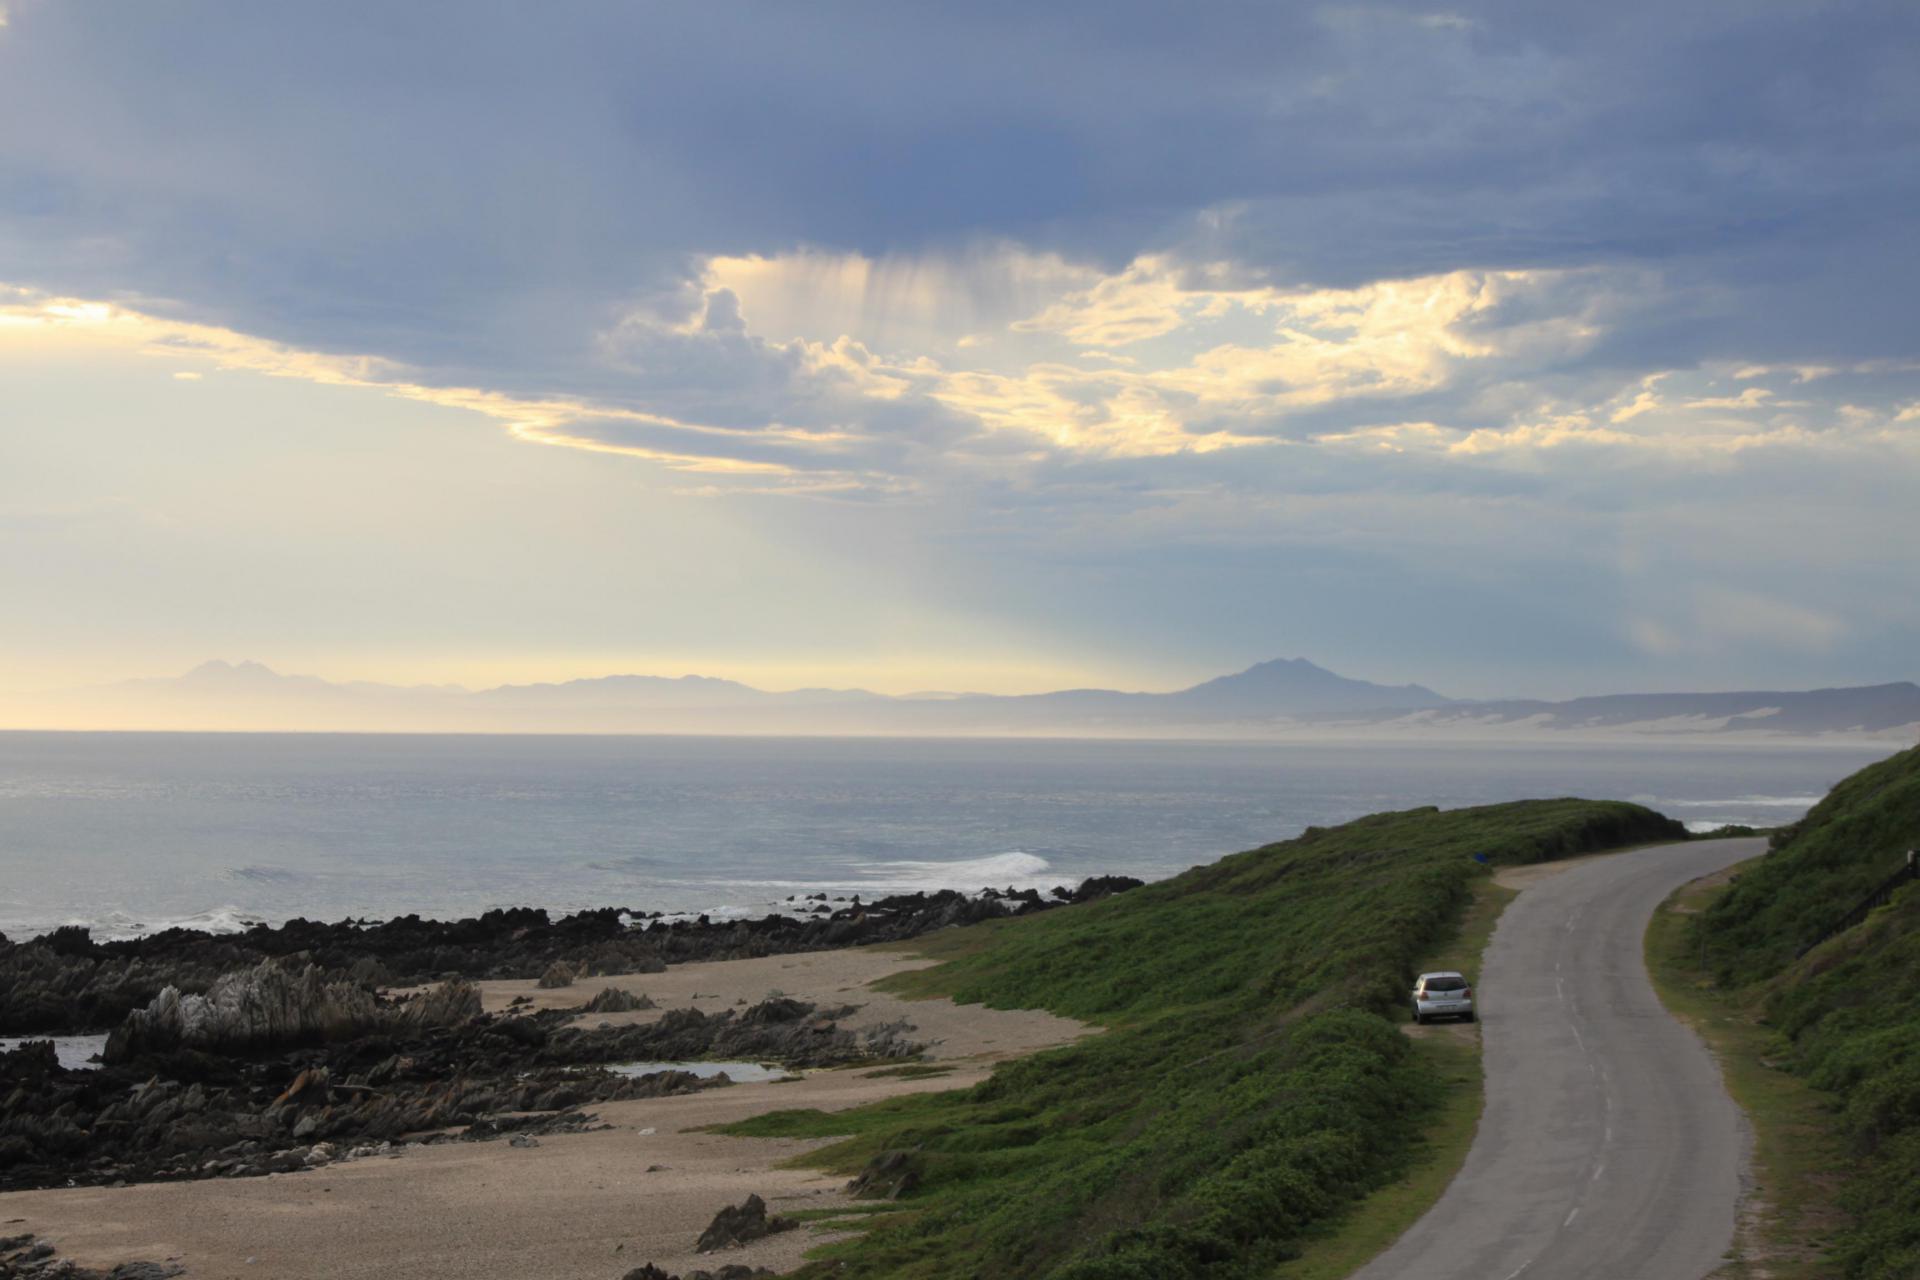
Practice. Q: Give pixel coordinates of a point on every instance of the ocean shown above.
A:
(129, 833)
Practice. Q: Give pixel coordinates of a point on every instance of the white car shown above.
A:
(1444, 994)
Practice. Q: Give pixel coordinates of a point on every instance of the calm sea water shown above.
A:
(130, 832)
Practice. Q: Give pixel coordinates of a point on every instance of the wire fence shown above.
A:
(1879, 897)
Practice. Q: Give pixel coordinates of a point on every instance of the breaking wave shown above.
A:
(1000, 871)
(113, 925)
(1762, 802)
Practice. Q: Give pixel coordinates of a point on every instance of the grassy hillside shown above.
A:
(1252, 1083)
(1851, 1009)
(1823, 864)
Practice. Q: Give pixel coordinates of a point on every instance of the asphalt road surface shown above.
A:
(1609, 1149)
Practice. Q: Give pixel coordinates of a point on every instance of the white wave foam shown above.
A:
(118, 924)
(866, 880)
(1000, 871)
(1763, 802)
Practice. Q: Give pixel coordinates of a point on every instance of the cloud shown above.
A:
(1494, 291)
(1724, 621)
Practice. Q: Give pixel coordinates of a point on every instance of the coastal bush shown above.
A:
(1847, 1008)
(1251, 1084)
(1819, 867)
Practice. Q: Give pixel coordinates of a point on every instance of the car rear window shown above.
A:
(1446, 984)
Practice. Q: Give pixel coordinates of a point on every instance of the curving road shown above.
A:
(1609, 1149)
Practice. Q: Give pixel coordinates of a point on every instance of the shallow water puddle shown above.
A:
(72, 1051)
(738, 1072)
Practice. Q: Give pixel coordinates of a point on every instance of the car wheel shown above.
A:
(1471, 1018)
(1418, 1019)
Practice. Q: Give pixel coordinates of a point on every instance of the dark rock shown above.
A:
(740, 1224)
(788, 1031)
(241, 1055)
(190, 1115)
(730, 1272)
(22, 1257)
(558, 974)
(615, 1000)
(888, 1176)
(1098, 887)
(65, 981)
(273, 1006)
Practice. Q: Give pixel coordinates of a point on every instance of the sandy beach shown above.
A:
(587, 1206)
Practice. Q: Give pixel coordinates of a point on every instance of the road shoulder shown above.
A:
(1790, 1206)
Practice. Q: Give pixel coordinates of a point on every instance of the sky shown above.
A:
(1507, 348)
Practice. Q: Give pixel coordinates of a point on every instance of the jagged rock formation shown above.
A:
(741, 1224)
(788, 1031)
(182, 1112)
(270, 1006)
(446, 1005)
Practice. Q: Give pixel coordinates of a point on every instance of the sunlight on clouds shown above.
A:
(1750, 398)
(1243, 355)
(1146, 300)
(537, 421)
(1080, 410)
(1398, 437)
(839, 375)
(1646, 400)
(893, 302)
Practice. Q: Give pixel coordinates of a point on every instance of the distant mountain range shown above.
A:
(1284, 698)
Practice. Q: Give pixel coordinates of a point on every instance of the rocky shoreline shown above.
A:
(64, 982)
(282, 1049)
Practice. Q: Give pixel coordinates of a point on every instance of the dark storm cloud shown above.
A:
(478, 183)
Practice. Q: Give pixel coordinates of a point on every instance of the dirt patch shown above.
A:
(1534, 872)
(1690, 899)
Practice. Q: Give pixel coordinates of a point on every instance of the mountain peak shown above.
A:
(1282, 686)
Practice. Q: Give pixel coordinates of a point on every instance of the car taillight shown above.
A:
(1466, 993)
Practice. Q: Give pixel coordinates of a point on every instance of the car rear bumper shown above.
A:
(1445, 1008)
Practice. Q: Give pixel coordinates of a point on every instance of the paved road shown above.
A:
(1609, 1149)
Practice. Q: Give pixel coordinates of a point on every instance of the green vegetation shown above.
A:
(1848, 1012)
(1818, 868)
(1451, 1053)
(1251, 1087)
(1730, 831)
(1792, 1213)
(1446, 1130)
